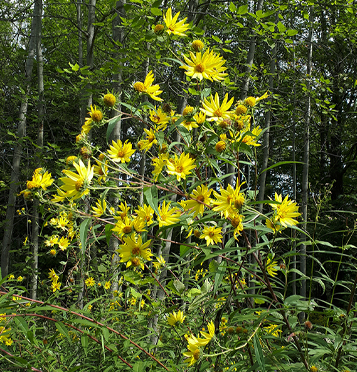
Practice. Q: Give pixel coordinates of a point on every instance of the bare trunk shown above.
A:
(305, 175)
(36, 219)
(21, 132)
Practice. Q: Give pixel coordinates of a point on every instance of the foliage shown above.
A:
(204, 279)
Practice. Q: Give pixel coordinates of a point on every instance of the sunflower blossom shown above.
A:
(99, 209)
(168, 216)
(175, 317)
(146, 87)
(133, 252)
(193, 354)
(207, 337)
(212, 235)
(200, 197)
(229, 202)
(285, 211)
(150, 140)
(76, 185)
(40, 179)
(180, 167)
(174, 27)
(271, 267)
(205, 66)
(250, 139)
(121, 152)
(214, 110)
(145, 213)
(160, 118)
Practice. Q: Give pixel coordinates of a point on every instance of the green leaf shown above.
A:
(243, 9)
(84, 342)
(105, 333)
(281, 27)
(292, 32)
(259, 353)
(62, 329)
(108, 232)
(156, 11)
(221, 270)
(232, 7)
(111, 125)
(281, 163)
(151, 197)
(83, 232)
(179, 286)
(183, 250)
(22, 324)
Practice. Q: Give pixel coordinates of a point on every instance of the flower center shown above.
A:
(135, 251)
(79, 185)
(218, 112)
(139, 86)
(127, 229)
(211, 234)
(135, 261)
(235, 222)
(196, 354)
(120, 154)
(200, 198)
(179, 168)
(200, 67)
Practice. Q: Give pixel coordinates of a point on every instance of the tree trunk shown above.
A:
(305, 175)
(38, 155)
(21, 132)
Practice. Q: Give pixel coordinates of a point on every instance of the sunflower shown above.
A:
(212, 235)
(168, 216)
(134, 251)
(200, 197)
(146, 87)
(175, 317)
(285, 211)
(180, 167)
(99, 210)
(215, 111)
(229, 202)
(174, 27)
(121, 152)
(76, 185)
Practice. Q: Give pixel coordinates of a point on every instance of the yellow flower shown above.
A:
(133, 251)
(11, 277)
(53, 252)
(99, 210)
(101, 169)
(215, 111)
(107, 285)
(250, 140)
(76, 185)
(41, 179)
(207, 66)
(200, 117)
(63, 243)
(70, 159)
(250, 101)
(20, 279)
(187, 110)
(271, 267)
(55, 286)
(124, 226)
(229, 202)
(52, 241)
(236, 221)
(149, 141)
(52, 275)
(207, 337)
(160, 262)
(285, 211)
(159, 163)
(168, 216)
(109, 100)
(197, 45)
(120, 152)
(147, 87)
(95, 114)
(180, 167)
(220, 146)
(158, 28)
(175, 317)
(124, 211)
(90, 282)
(160, 118)
(273, 329)
(313, 369)
(146, 213)
(212, 235)
(174, 27)
(193, 354)
(200, 196)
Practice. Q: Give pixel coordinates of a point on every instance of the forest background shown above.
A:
(59, 58)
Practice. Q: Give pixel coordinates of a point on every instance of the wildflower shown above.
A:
(189, 124)
(229, 202)
(160, 262)
(250, 139)
(159, 163)
(207, 337)
(181, 167)
(158, 28)
(90, 282)
(40, 179)
(200, 117)
(11, 277)
(176, 317)
(101, 169)
(197, 45)
(250, 101)
(160, 118)
(241, 109)
(134, 249)
(76, 185)
(63, 243)
(236, 221)
(109, 100)
(212, 235)
(149, 141)
(124, 226)
(200, 196)
(220, 146)
(174, 27)
(273, 330)
(313, 369)
(168, 216)
(107, 285)
(120, 152)
(271, 267)
(207, 66)
(55, 286)
(52, 275)
(285, 211)
(99, 210)
(124, 211)
(147, 87)
(187, 110)
(193, 354)
(70, 159)
(146, 213)
(215, 111)
(53, 252)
